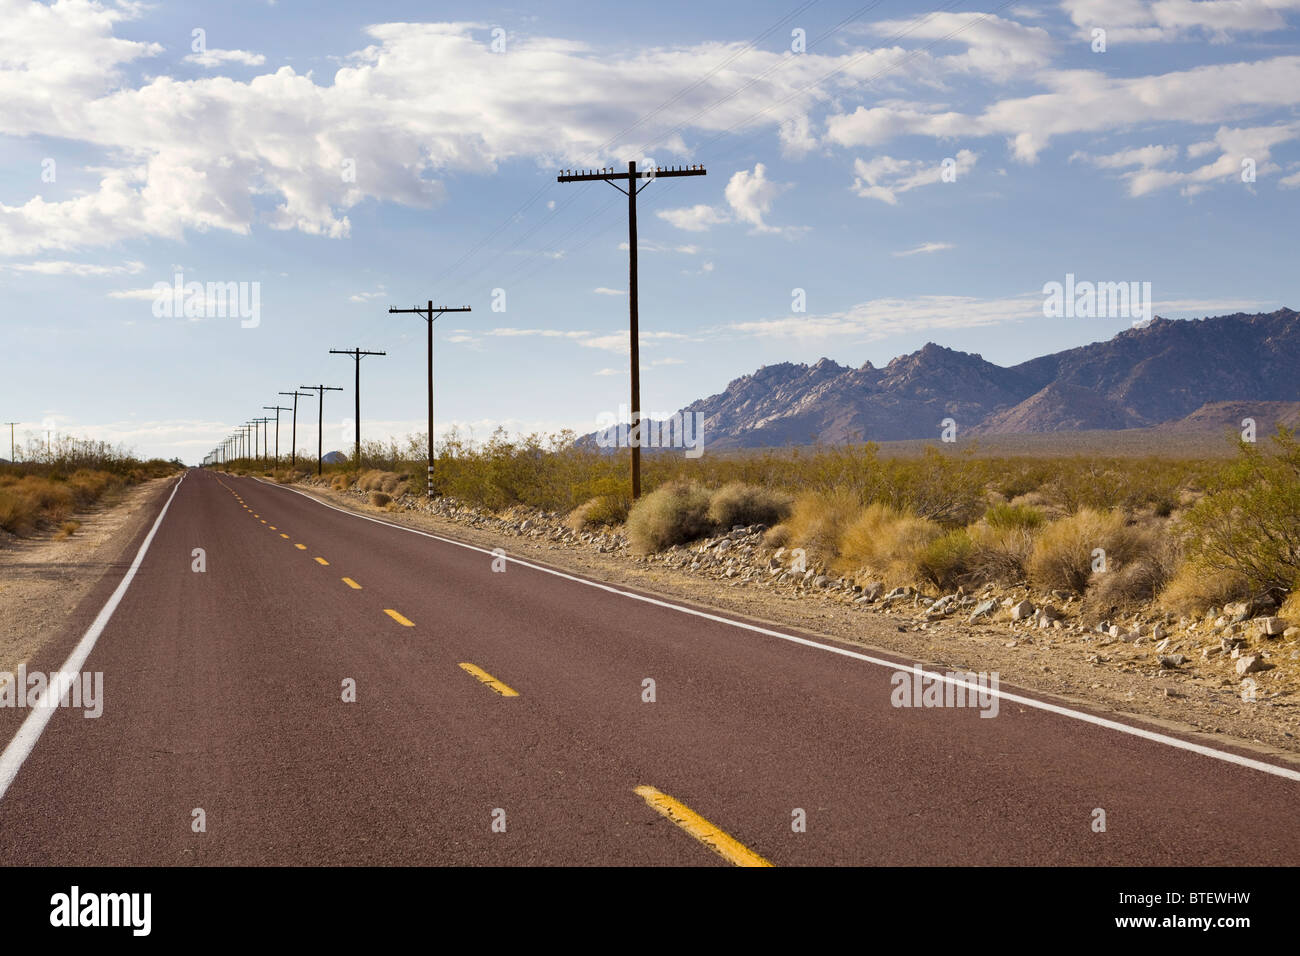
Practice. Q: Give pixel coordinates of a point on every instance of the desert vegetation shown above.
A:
(1186, 533)
(55, 482)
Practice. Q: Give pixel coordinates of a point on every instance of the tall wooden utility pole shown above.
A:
(357, 355)
(293, 437)
(277, 409)
(320, 420)
(11, 439)
(631, 176)
(430, 313)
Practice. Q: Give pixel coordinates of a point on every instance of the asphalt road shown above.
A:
(500, 719)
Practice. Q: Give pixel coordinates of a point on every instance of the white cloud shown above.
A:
(1088, 101)
(924, 248)
(601, 290)
(419, 100)
(884, 177)
(697, 218)
(749, 196)
(1234, 146)
(78, 269)
(1157, 21)
(211, 58)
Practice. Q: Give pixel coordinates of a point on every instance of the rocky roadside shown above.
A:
(1232, 676)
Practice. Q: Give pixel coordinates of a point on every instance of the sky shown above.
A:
(879, 175)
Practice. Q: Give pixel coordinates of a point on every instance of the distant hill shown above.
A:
(333, 457)
(1203, 374)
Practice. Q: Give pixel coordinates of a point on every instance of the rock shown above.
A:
(1235, 608)
(1250, 663)
(983, 609)
(873, 589)
(1171, 661)
(1291, 633)
(1270, 626)
(723, 545)
(821, 581)
(1114, 631)
(1021, 611)
(1158, 633)
(525, 525)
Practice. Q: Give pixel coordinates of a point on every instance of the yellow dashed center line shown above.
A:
(323, 562)
(283, 535)
(263, 521)
(301, 547)
(726, 846)
(502, 689)
(273, 528)
(352, 584)
(398, 618)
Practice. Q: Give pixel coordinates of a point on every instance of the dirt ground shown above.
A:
(1124, 680)
(43, 578)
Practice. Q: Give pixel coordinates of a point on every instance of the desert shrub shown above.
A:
(1249, 524)
(777, 536)
(818, 520)
(890, 542)
(999, 554)
(1063, 552)
(737, 503)
(1136, 580)
(1009, 516)
(340, 482)
(945, 561)
(1194, 588)
(379, 499)
(603, 511)
(671, 514)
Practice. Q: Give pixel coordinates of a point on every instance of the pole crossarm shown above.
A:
(607, 175)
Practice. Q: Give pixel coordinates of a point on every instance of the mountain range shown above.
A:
(1191, 374)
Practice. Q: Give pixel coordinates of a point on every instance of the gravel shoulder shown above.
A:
(1201, 697)
(44, 578)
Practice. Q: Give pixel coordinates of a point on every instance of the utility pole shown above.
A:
(631, 176)
(266, 445)
(320, 421)
(11, 439)
(429, 315)
(277, 409)
(293, 451)
(357, 355)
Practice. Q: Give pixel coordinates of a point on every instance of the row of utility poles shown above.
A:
(430, 313)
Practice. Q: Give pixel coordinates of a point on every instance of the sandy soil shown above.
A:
(43, 578)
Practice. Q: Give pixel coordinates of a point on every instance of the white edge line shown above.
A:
(1151, 735)
(29, 733)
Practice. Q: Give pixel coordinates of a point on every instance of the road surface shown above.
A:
(501, 718)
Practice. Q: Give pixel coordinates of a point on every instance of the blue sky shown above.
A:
(228, 163)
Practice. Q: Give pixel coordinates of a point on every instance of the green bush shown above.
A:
(671, 514)
(737, 503)
(1249, 524)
